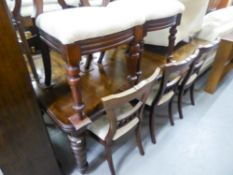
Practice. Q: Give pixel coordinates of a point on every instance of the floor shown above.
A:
(200, 144)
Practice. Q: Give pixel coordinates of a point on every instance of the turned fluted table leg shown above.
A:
(78, 146)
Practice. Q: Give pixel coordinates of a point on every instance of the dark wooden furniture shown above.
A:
(170, 22)
(72, 53)
(222, 63)
(25, 148)
(188, 83)
(102, 80)
(26, 24)
(121, 116)
(172, 73)
(18, 23)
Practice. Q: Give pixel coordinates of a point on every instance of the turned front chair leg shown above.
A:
(138, 71)
(171, 44)
(78, 146)
(73, 57)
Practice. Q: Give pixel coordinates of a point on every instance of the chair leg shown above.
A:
(192, 94)
(138, 139)
(46, 62)
(151, 125)
(180, 98)
(170, 112)
(101, 57)
(108, 156)
(89, 60)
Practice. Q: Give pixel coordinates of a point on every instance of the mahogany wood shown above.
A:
(25, 148)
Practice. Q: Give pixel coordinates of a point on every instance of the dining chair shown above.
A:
(163, 93)
(81, 31)
(158, 15)
(188, 82)
(22, 11)
(121, 116)
(17, 22)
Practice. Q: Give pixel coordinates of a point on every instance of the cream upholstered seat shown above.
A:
(101, 126)
(191, 23)
(71, 25)
(217, 24)
(152, 9)
(158, 15)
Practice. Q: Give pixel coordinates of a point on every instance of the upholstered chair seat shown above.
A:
(71, 25)
(165, 98)
(159, 15)
(101, 126)
(217, 24)
(152, 9)
(191, 23)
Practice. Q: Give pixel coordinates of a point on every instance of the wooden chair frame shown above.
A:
(139, 93)
(167, 85)
(194, 69)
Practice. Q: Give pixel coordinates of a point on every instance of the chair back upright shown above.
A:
(39, 6)
(113, 103)
(173, 73)
(192, 74)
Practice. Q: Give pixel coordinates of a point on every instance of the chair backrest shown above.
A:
(173, 73)
(114, 103)
(195, 68)
(25, 7)
(38, 4)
